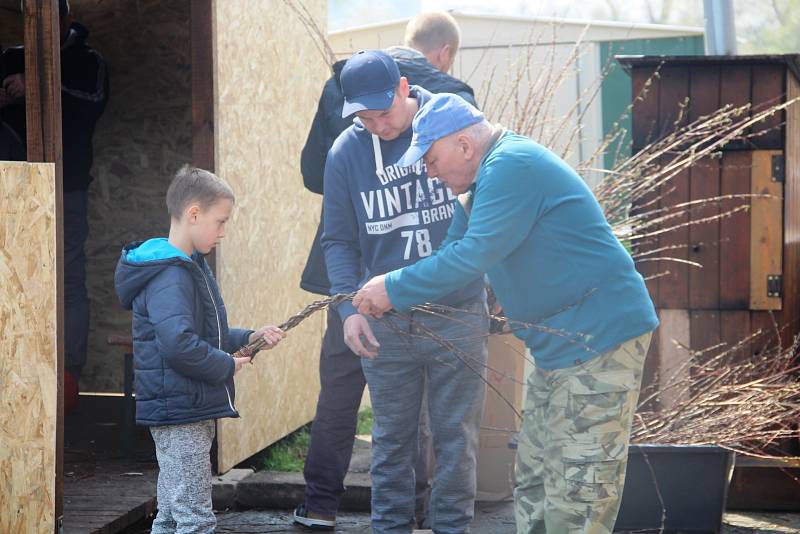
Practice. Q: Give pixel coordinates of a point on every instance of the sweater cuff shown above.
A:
(393, 284)
(346, 309)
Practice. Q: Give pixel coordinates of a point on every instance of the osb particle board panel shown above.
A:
(495, 470)
(268, 75)
(27, 347)
(143, 137)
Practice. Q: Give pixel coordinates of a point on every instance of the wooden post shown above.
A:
(203, 109)
(43, 116)
(203, 92)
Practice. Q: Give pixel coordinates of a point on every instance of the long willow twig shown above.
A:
(727, 397)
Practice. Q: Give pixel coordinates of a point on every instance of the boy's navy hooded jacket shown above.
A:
(181, 341)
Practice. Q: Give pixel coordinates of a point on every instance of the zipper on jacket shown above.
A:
(219, 328)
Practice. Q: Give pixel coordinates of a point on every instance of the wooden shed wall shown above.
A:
(268, 75)
(143, 137)
(27, 347)
(141, 140)
(725, 300)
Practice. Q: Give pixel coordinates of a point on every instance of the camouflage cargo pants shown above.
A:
(573, 446)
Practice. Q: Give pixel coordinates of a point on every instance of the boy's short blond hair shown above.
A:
(196, 185)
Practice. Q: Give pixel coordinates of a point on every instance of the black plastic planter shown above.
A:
(693, 483)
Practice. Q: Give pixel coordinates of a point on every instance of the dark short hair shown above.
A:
(196, 185)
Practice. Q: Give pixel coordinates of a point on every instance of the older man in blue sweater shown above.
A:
(529, 222)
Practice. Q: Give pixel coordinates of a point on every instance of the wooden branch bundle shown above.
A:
(250, 350)
(745, 405)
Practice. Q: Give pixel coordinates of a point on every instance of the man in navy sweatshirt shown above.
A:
(379, 217)
(530, 223)
(431, 43)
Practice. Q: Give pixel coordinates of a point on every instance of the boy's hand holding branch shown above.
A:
(270, 334)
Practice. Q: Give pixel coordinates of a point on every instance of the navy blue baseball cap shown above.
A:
(368, 80)
(442, 115)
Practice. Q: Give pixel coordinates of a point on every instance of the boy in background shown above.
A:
(183, 346)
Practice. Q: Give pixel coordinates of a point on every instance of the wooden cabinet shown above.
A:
(750, 261)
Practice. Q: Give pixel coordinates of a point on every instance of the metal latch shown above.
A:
(778, 168)
(775, 285)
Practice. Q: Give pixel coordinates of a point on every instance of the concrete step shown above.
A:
(276, 490)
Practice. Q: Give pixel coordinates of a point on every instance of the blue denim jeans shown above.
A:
(406, 360)
(334, 427)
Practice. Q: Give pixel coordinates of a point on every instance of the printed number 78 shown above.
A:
(424, 247)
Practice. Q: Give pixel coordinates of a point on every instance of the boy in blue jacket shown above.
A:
(182, 345)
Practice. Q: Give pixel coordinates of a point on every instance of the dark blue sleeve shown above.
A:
(312, 157)
(170, 303)
(326, 127)
(237, 338)
(340, 234)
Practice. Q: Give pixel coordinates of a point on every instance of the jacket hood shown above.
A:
(337, 69)
(139, 262)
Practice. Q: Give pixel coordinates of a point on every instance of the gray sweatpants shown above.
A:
(184, 478)
(456, 391)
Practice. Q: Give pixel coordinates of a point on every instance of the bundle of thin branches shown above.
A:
(251, 349)
(748, 404)
(643, 178)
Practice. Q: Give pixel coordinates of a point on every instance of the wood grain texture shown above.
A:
(768, 89)
(704, 281)
(674, 341)
(268, 75)
(672, 99)
(644, 116)
(766, 230)
(734, 232)
(791, 216)
(28, 322)
(734, 330)
(735, 90)
(673, 287)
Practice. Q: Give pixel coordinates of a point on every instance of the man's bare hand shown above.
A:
(239, 361)
(14, 85)
(359, 337)
(271, 334)
(372, 299)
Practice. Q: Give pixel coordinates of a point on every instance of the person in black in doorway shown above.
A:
(84, 94)
(431, 43)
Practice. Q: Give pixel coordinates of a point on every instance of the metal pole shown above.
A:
(720, 29)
